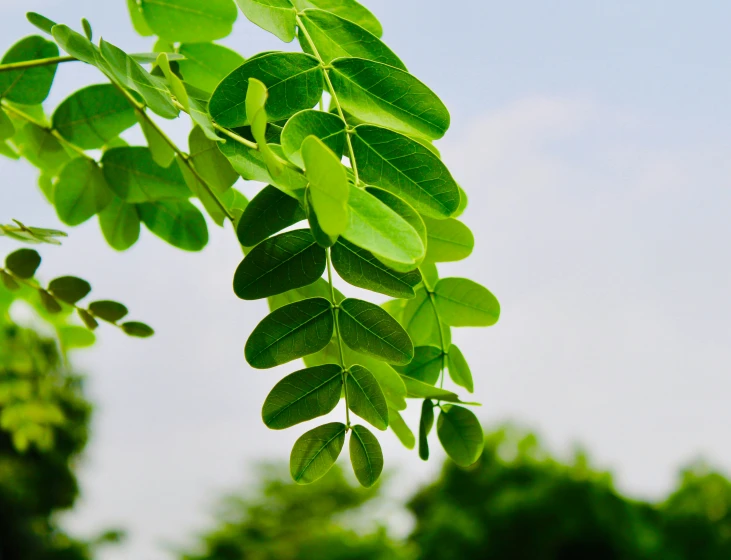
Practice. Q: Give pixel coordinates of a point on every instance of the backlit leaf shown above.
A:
(327, 127)
(464, 303)
(448, 240)
(275, 16)
(366, 398)
(459, 369)
(365, 455)
(7, 128)
(348, 9)
(269, 212)
(329, 186)
(29, 86)
(80, 192)
(120, 224)
(41, 22)
(314, 453)
(206, 64)
(189, 20)
(178, 222)
(399, 427)
(461, 435)
(138, 20)
(416, 389)
(160, 150)
(426, 365)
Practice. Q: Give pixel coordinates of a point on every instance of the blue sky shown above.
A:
(592, 138)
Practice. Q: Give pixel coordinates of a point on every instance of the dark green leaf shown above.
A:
(323, 239)
(120, 223)
(269, 212)
(425, 425)
(80, 192)
(464, 303)
(426, 365)
(41, 22)
(206, 64)
(69, 289)
(291, 332)
(329, 188)
(189, 20)
(276, 16)
(430, 275)
(279, 264)
(448, 240)
(138, 20)
(88, 319)
(461, 435)
(459, 369)
(367, 328)
(7, 151)
(9, 281)
(49, 302)
(327, 127)
(294, 82)
(320, 289)
(108, 310)
(303, 395)
(23, 263)
(315, 452)
(384, 95)
(140, 330)
(348, 9)
(399, 427)
(178, 222)
(366, 398)
(420, 321)
(365, 455)
(29, 86)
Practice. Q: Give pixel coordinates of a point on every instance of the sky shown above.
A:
(592, 139)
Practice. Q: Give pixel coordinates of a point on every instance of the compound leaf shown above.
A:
(189, 20)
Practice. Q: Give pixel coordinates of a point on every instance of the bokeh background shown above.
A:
(592, 139)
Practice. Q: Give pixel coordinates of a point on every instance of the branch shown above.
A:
(24, 65)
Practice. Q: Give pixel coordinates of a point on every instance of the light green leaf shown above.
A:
(107, 310)
(69, 289)
(120, 224)
(281, 263)
(206, 64)
(161, 151)
(268, 213)
(366, 398)
(175, 83)
(41, 22)
(448, 240)
(461, 435)
(29, 86)
(93, 116)
(87, 28)
(256, 98)
(459, 369)
(138, 20)
(291, 332)
(133, 175)
(7, 128)
(7, 151)
(426, 365)
(383, 95)
(40, 148)
(397, 163)
(80, 192)
(323, 239)
(335, 37)
(348, 9)
(327, 127)
(463, 201)
(303, 395)
(294, 82)
(425, 425)
(420, 321)
(23, 263)
(178, 222)
(368, 329)
(365, 456)
(329, 186)
(137, 329)
(71, 336)
(360, 268)
(276, 16)
(464, 303)
(314, 453)
(79, 47)
(399, 427)
(189, 20)
(416, 389)
(430, 275)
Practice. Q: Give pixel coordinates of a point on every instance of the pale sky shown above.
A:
(592, 138)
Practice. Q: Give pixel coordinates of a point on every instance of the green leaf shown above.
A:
(206, 64)
(459, 369)
(162, 153)
(315, 452)
(463, 200)
(426, 365)
(93, 116)
(88, 319)
(425, 425)
(279, 264)
(335, 37)
(49, 302)
(329, 186)
(399, 427)
(134, 176)
(448, 240)
(71, 336)
(401, 165)
(348, 9)
(7, 128)
(365, 455)
(323, 239)
(189, 20)
(327, 127)
(79, 47)
(416, 389)
(383, 95)
(256, 98)
(80, 192)
(178, 222)
(111, 311)
(41, 148)
(23, 263)
(8, 281)
(375, 227)
(138, 20)
(276, 16)
(430, 275)
(120, 224)
(268, 213)
(420, 321)
(366, 398)
(294, 82)
(69, 289)
(176, 84)
(303, 395)
(87, 28)
(464, 303)
(40, 21)
(367, 328)
(29, 86)
(7, 151)
(137, 329)
(360, 268)
(320, 289)
(291, 332)
(461, 435)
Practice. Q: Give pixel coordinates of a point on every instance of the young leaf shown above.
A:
(279, 264)
(425, 425)
(29, 86)
(448, 240)
(291, 332)
(315, 452)
(40, 21)
(178, 222)
(256, 98)
(383, 95)
(49, 302)
(176, 84)
(399, 427)
(329, 186)
(120, 224)
(327, 127)
(426, 365)
(93, 116)
(347, 9)
(303, 395)
(23, 263)
(80, 192)
(464, 303)
(459, 369)
(269, 212)
(366, 398)
(138, 20)
(397, 163)
(294, 82)
(137, 329)
(7, 128)
(108, 310)
(461, 435)
(189, 20)
(276, 16)
(367, 328)
(365, 456)
(206, 64)
(69, 289)
(41, 148)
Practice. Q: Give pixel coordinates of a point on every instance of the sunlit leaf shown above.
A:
(464, 303)
(426, 365)
(459, 369)
(348, 9)
(120, 224)
(138, 20)
(399, 427)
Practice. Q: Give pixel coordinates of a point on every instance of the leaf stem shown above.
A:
(339, 338)
(25, 64)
